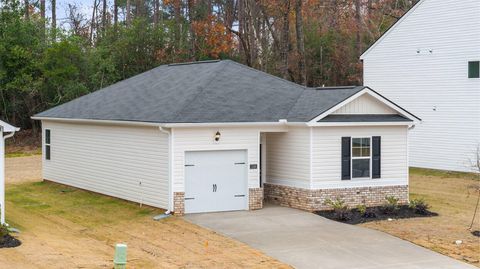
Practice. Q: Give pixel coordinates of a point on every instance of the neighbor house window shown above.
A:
(361, 157)
(47, 144)
(474, 69)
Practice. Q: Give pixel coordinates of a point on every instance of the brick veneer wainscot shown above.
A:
(313, 200)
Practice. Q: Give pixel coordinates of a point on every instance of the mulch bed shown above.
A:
(8, 241)
(353, 216)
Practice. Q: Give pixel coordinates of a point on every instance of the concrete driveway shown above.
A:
(305, 240)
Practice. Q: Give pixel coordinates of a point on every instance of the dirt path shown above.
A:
(63, 227)
(23, 169)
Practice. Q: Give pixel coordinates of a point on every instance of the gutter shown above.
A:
(281, 122)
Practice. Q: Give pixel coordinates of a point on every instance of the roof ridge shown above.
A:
(195, 62)
(202, 88)
(265, 73)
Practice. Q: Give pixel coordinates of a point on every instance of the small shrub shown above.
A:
(340, 209)
(3, 232)
(362, 209)
(391, 207)
(419, 206)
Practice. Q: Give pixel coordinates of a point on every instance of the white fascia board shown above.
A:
(90, 121)
(174, 125)
(391, 29)
(234, 124)
(386, 123)
(369, 91)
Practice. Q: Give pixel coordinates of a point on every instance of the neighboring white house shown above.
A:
(429, 62)
(218, 135)
(6, 131)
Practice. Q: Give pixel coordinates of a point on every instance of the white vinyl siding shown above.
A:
(125, 162)
(422, 65)
(202, 139)
(326, 156)
(288, 157)
(365, 104)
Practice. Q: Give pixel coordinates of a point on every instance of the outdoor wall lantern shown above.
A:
(217, 136)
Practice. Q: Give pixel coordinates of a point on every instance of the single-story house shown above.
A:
(218, 136)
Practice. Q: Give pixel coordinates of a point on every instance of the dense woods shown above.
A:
(45, 61)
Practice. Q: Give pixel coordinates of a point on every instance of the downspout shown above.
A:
(170, 161)
(2, 176)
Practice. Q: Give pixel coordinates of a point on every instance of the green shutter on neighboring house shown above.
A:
(474, 69)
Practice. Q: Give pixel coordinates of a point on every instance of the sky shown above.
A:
(85, 6)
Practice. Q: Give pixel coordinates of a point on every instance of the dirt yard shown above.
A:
(453, 196)
(63, 227)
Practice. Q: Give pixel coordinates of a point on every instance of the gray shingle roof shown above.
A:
(220, 91)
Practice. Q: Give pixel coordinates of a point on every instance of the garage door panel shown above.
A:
(215, 181)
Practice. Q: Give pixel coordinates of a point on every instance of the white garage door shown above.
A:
(215, 181)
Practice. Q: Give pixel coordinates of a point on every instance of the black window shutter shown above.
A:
(346, 158)
(376, 157)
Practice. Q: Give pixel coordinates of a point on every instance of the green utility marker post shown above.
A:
(120, 259)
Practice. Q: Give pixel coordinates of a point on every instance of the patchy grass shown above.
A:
(23, 153)
(46, 198)
(453, 196)
(65, 227)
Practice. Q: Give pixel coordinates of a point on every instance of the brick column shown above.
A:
(255, 198)
(179, 203)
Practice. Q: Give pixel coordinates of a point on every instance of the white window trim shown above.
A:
(360, 158)
(49, 144)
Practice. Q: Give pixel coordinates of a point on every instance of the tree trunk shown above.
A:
(27, 10)
(104, 16)
(115, 12)
(300, 42)
(92, 22)
(54, 16)
(178, 22)
(156, 10)
(358, 19)
(140, 5)
(285, 39)
(193, 39)
(129, 12)
(241, 23)
(42, 16)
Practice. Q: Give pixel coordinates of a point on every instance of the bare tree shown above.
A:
(54, 15)
(92, 22)
(285, 39)
(115, 12)
(104, 16)
(156, 11)
(42, 10)
(129, 12)
(77, 21)
(300, 42)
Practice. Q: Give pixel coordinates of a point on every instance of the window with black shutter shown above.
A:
(47, 144)
(346, 158)
(376, 159)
